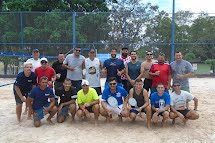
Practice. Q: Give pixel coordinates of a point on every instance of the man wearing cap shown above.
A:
(88, 101)
(60, 71)
(179, 98)
(113, 67)
(35, 60)
(126, 59)
(73, 64)
(93, 67)
(47, 71)
(25, 81)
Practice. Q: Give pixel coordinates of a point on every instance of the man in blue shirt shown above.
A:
(38, 99)
(160, 102)
(120, 95)
(25, 81)
(113, 67)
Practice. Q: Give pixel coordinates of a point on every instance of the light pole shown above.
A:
(173, 31)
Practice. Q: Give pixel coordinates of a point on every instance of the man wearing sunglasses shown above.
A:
(47, 71)
(121, 99)
(179, 98)
(73, 64)
(145, 66)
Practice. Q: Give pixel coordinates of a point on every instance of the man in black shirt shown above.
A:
(60, 71)
(68, 95)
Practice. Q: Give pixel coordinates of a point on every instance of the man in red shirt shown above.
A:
(161, 73)
(45, 70)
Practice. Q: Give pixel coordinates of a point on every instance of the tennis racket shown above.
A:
(112, 101)
(133, 102)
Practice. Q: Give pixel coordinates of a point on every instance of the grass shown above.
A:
(202, 69)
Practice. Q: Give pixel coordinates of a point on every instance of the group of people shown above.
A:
(62, 88)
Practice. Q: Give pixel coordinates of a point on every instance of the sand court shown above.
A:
(198, 131)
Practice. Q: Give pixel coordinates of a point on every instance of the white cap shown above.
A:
(85, 82)
(43, 59)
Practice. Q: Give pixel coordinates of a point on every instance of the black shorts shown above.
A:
(160, 114)
(90, 109)
(184, 112)
(147, 84)
(17, 98)
(136, 112)
(98, 90)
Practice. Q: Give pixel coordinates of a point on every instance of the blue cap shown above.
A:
(35, 50)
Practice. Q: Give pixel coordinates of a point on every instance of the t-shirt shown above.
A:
(181, 68)
(126, 61)
(93, 72)
(179, 101)
(66, 96)
(165, 72)
(112, 65)
(49, 72)
(59, 69)
(119, 94)
(134, 69)
(40, 97)
(160, 101)
(76, 62)
(35, 63)
(87, 98)
(24, 83)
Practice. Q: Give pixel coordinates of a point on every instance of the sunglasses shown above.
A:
(78, 50)
(148, 54)
(176, 85)
(112, 83)
(43, 62)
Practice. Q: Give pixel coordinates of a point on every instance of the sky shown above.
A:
(195, 6)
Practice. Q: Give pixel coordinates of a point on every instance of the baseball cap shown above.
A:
(43, 59)
(92, 51)
(35, 50)
(85, 82)
(176, 83)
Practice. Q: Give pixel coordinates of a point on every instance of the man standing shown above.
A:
(160, 102)
(88, 101)
(179, 98)
(38, 101)
(93, 66)
(47, 71)
(113, 67)
(60, 71)
(25, 81)
(141, 96)
(161, 73)
(181, 71)
(35, 60)
(121, 96)
(133, 70)
(145, 66)
(73, 64)
(126, 59)
(68, 95)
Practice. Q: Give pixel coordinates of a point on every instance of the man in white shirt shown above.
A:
(35, 60)
(179, 98)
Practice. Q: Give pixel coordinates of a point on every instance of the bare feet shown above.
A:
(50, 121)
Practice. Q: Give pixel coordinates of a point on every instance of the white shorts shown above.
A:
(115, 110)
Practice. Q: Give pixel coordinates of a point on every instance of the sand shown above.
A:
(198, 131)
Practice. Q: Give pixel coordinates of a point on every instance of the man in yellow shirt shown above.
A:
(88, 101)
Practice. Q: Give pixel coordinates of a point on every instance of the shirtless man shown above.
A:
(145, 66)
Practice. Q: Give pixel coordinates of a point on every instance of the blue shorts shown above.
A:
(40, 113)
(64, 111)
(135, 111)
